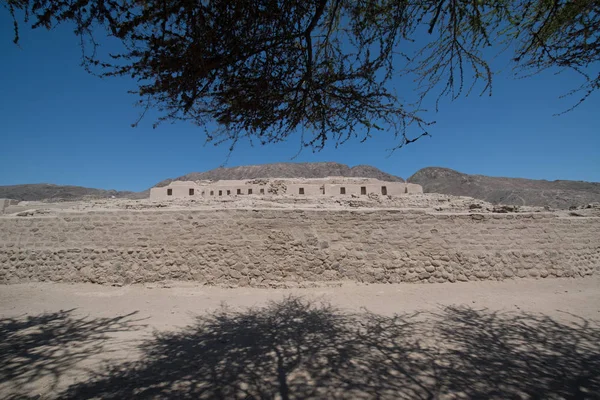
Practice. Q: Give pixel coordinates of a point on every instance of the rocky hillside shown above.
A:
(513, 191)
(287, 170)
(49, 192)
(516, 191)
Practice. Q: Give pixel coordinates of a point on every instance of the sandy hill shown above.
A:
(518, 191)
(529, 192)
(49, 192)
(287, 170)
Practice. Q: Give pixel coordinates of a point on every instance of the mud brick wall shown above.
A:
(267, 248)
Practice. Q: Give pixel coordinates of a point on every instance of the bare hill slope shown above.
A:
(49, 192)
(555, 194)
(518, 191)
(287, 170)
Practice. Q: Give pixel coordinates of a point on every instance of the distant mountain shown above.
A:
(287, 170)
(516, 191)
(49, 192)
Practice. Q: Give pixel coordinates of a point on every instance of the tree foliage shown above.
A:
(266, 69)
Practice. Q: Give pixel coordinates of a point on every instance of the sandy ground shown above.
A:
(423, 203)
(430, 202)
(61, 341)
(166, 306)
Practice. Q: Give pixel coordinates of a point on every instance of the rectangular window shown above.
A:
(301, 191)
(228, 192)
(363, 190)
(191, 192)
(262, 191)
(239, 191)
(342, 190)
(169, 192)
(212, 192)
(220, 193)
(249, 191)
(384, 190)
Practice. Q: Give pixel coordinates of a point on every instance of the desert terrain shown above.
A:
(425, 202)
(558, 194)
(287, 297)
(514, 339)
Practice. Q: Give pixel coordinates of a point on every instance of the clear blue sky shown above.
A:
(61, 125)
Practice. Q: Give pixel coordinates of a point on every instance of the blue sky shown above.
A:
(61, 125)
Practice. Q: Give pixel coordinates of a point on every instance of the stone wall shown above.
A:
(332, 187)
(5, 203)
(270, 247)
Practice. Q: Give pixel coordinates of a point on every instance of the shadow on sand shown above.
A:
(300, 349)
(46, 346)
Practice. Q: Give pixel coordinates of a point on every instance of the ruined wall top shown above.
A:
(310, 187)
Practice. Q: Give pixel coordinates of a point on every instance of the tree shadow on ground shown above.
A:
(45, 346)
(299, 349)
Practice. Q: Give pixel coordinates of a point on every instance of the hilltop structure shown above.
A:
(5, 203)
(331, 186)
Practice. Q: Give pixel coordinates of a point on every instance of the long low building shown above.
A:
(333, 186)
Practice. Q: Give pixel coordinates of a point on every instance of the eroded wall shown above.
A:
(413, 188)
(5, 203)
(286, 247)
(181, 189)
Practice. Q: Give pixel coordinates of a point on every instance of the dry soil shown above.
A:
(62, 340)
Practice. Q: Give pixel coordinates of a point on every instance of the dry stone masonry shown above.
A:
(291, 247)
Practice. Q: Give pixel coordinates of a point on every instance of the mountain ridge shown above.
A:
(286, 170)
(53, 192)
(503, 190)
(497, 190)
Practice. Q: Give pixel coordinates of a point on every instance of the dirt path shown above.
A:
(490, 339)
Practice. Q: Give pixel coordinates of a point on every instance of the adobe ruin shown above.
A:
(331, 186)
